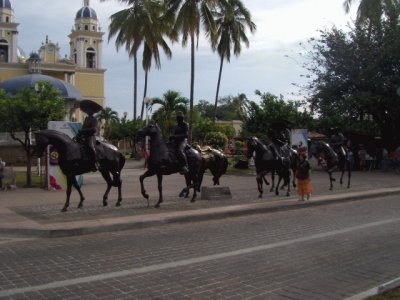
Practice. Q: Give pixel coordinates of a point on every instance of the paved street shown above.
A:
(324, 252)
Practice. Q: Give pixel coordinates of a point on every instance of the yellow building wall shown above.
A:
(11, 73)
(90, 85)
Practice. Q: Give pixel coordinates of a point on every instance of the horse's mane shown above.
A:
(56, 134)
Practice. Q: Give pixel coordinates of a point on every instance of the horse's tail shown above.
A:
(224, 166)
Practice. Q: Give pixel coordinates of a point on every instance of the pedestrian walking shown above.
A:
(303, 175)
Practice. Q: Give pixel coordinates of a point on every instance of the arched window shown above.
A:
(90, 58)
(75, 56)
(3, 51)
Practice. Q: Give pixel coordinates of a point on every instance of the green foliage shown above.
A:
(239, 147)
(125, 129)
(260, 116)
(216, 140)
(108, 116)
(30, 111)
(203, 126)
(356, 77)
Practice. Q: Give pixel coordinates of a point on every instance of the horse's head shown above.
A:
(41, 143)
(150, 130)
(252, 143)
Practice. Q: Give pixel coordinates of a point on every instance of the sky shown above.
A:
(271, 63)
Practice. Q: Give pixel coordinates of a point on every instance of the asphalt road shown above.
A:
(325, 252)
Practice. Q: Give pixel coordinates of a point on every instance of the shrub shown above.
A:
(216, 140)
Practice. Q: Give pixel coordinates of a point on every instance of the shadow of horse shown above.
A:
(163, 161)
(266, 163)
(213, 160)
(330, 160)
(73, 161)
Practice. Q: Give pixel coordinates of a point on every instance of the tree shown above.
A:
(260, 116)
(140, 24)
(30, 111)
(188, 15)
(356, 77)
(109, 116)
(371, 12)
(231, 22)
(171, 102)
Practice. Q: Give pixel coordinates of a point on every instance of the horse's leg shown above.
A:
(159, 185)
(348, 174)
(288, 180)
(273, 181)
(107, 178)
(76, 185)
(259, 180)
(277, 185)
(265, 179)
(192, 181)
(118, 182)
(148, 173)
(294, 177)
(68, 192)
(331, 180)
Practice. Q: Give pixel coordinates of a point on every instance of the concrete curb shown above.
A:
(195, 215)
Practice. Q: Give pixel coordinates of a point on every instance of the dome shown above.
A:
(68, 91)
(86, 12)
(5, 4)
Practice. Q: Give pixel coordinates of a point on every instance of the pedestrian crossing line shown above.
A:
(189, 261)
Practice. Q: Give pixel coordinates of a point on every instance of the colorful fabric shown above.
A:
(304, 187)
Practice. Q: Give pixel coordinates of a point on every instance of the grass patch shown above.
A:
(390, 295)
(21, 179)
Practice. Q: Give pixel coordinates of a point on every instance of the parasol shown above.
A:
(89, 106)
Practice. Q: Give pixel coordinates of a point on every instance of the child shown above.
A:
(304, 187)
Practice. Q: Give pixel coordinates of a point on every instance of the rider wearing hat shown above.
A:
(90, 131)
(180, 141)
(337, 141)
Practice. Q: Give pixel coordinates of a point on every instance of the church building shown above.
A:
(83, 68)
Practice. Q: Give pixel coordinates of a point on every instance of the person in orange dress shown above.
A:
(303, 175)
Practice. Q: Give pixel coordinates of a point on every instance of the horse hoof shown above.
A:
(193, 200)
(146, 196)
(64, 209)
(105, 204)
(118, 204)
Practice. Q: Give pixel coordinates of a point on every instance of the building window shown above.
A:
(3, 51)
(7, 19)
(90, 58)
(86, 27)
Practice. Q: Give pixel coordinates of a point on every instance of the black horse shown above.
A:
(213, 160)
(331, 160)
(265, 162)
(73, 161)
(163, 161)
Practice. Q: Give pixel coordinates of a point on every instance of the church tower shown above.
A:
(8, 34)
(86, 39)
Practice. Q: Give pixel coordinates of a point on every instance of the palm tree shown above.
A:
(171, 102)
(109, 116)
(370, 12)
(155, 38)
(187, 15)
(136, 25)
(231, 21)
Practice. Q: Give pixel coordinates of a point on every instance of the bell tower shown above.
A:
(8, 34)
(86, 39)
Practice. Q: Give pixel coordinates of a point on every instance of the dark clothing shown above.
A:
(337, 141)
(89, 131)
(180, 137)
(303, 170)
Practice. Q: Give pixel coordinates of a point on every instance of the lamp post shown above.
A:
(147, 101)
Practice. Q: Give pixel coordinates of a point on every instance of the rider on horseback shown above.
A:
(337, 141)
(280, 136)
(90, 131)
(180, 141)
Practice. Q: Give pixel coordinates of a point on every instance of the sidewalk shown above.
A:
(37, 212)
